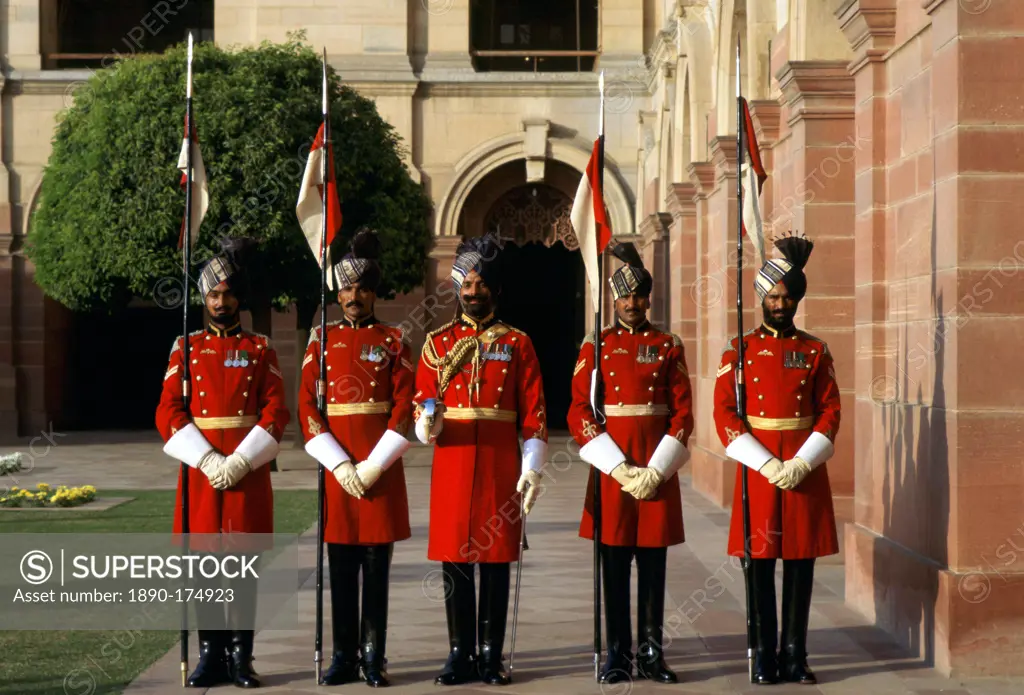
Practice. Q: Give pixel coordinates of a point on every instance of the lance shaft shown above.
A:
(186, 380)
(322, 389)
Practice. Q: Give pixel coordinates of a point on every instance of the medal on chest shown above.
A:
(236, 358)
(647, 354)
(795, 360)
(372, 353)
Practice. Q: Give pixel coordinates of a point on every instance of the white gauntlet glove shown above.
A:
(212, 465)
(347, 476)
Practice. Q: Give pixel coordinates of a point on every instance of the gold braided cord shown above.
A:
(448, 366)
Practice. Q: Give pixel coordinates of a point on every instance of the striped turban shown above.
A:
(789, 270)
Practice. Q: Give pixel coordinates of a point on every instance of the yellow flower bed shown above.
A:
(45, 496)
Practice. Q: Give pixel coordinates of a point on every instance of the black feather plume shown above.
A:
(795, 247)
(237, 249)
(366, 244)
(627, 253)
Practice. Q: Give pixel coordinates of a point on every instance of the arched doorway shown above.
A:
(543, 276)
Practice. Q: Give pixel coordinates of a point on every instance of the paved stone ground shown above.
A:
(705, 620)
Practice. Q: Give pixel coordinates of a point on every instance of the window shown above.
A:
(93, 33)
(534, 35)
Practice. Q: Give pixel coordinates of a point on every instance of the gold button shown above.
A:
(650, 388)
(755, 379)
(646, 333)
(199, 378)
(797, 413)
(504, 371)
(514, 339)
(803, 381)
(255, 361)
(376, 369)
(445, 339)
(750, 361)
(195, 361)
(204, 411)
(762, 413)
(202, 393)
(245, 393)
(606, 356)
(620, 332)
(799, 397)
(666, 344)
(495, 406)
(661, 357)
(616, 388)
(326, 351)
(814, 352)
(207, 337)
(328, 367)
(249, 378)
(373, 383)
(371, 400)
(460, 405)
(762, 336)
(333, 400)
(388, 340)
(332, 383)
(620, 402)
(501, 388)
(259, 347)
(241, 412)
(760, 397)
(458, 386)
(655, 374)
(650, 402)
(611, 373)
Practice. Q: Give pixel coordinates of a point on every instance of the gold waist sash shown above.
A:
(635, 410)
(480, 414)
(226, 423)
(358, 408)
(781, 424)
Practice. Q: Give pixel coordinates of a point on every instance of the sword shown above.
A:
(519, 580)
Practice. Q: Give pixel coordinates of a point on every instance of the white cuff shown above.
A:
(535, 453)
(816, 450)
(325, 449)
(389, 449)
(669, 457)
(748, 451)
(258, 447)
(188, 445)
(602, 453)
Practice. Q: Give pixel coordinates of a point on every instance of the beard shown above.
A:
(476, 309)
(227, 318)
(780, 319)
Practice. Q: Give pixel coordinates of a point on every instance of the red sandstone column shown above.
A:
(819, 97)
(654, 251)
(682, 259)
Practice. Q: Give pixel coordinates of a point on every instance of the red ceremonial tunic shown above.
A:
(369, 391)
(647, 396)
(791, 391)
(474, 506)
(227, 402)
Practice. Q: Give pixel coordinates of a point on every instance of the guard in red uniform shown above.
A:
(232, 430)
(792, 404)
(478, 389)
(639, 449)
(369, 411)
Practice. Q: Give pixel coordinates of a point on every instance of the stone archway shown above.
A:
(531, 214)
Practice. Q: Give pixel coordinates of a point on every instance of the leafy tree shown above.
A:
(110, 209)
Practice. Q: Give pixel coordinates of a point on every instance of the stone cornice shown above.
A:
(702, 174)
(766, 116)
(723, 156)
(680, 200)
(817, 89)
(870, 27)
(654, 227)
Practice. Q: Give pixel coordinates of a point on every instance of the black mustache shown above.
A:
(354, 303)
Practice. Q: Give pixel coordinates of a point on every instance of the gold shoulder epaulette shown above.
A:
(808, 336)
(314, 332)
(438, 331)
(264, 338)
(176, 345)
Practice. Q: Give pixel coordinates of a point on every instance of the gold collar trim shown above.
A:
(478, 325)
(644, 326)
(359, 323)
(224, 332)
(784, 333)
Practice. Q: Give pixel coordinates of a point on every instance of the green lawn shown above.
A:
(101, 663)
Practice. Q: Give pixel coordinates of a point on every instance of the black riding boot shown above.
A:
(766, 623)
(650, 616)
(343, 564)
(494, 589)
(460, 611)
(616, 566)
(376, 570)
(212, 668)
(797, 583)
(242, 620)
